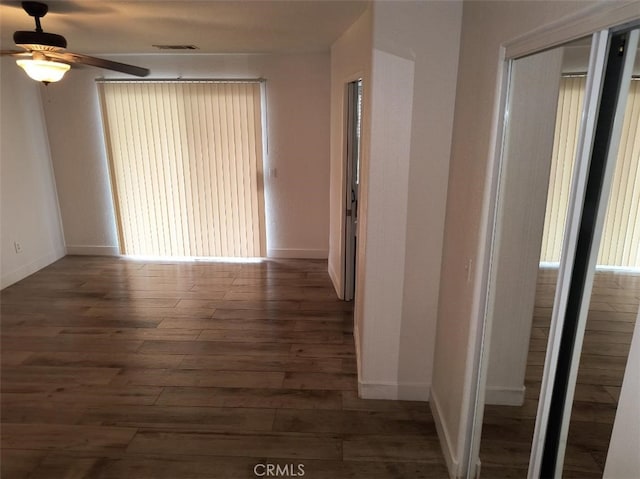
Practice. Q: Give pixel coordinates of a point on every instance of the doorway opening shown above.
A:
(352, 184)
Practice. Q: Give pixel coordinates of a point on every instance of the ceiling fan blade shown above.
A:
(15, 53)
(99, 62)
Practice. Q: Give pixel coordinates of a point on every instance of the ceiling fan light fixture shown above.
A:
(44, 70)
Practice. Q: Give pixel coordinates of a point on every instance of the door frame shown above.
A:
(353, 94)
(592, 20)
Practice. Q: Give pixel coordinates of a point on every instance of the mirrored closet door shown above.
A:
(565, 274)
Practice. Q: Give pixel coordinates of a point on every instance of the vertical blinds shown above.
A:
(565, 142)
(186, 167)
(620, 245)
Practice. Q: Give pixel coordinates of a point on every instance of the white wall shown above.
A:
(404, 189)
(431, 34)
(28, 203)
(386, 224)
(350, 60)
(485, 26)
(297, 206)
(623, 460)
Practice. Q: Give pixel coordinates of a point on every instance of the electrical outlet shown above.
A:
(18, 247)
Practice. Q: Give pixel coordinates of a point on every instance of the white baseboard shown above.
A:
(93, 250)
(335, 279)
(599, 267)
(444, 436)
(297, 253)
(22, 272)
(394, 391)
(501, 396)
(356, 340)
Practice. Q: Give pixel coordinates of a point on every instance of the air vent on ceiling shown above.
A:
(175, 47)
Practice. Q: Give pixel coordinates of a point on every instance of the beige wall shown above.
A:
(485, 26)
(297, 206)
(28, 204)
(404, 193)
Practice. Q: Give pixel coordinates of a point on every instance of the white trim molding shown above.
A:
(394, 391)
(297, 253)
(452, 462)
(93, 250)
(504, 396)
(22, 272)
(335, 280)
(600, 16)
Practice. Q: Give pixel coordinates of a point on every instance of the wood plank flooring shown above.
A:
(119, 369)
(508, 431)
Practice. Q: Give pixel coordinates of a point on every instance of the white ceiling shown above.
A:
(238, 26)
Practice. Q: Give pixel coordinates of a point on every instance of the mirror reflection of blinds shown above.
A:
(186, 167)
(620, 245)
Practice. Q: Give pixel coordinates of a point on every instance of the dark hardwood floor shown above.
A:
(119, 369)
(508, 431)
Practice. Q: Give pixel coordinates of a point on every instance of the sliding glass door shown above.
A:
(186, 166)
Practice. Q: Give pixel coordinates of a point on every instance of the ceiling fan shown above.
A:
(45, 58)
